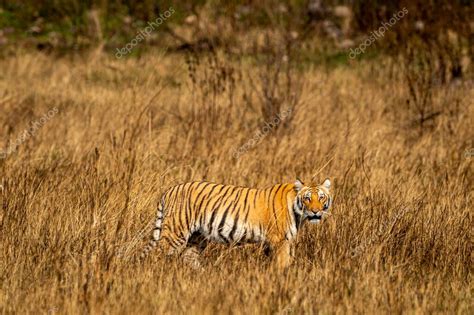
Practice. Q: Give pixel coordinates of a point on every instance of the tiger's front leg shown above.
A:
(282, 255)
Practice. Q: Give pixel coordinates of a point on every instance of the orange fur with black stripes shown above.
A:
(192, 214)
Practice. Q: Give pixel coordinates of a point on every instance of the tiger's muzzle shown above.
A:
(315, 217)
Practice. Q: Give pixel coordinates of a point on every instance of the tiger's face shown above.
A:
(313, 201)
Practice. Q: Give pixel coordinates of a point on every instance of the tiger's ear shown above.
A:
(298, 184)
(327, 183)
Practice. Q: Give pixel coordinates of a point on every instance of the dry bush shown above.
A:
(420, 74)
(278, 86)
(431, 102)
(78, 197)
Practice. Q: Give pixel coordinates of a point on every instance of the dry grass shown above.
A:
(78, 197)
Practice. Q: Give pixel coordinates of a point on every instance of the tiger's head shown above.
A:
(312, 202)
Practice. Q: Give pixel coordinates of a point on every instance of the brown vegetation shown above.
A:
(78, 196)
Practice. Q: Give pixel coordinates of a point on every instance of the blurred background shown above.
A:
(322, 31)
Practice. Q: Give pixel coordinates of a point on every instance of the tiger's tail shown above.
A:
(156, 232)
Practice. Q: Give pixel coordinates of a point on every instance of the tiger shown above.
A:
(192, 214)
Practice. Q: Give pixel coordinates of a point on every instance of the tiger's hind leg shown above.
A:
(191, 255)
(171, 244)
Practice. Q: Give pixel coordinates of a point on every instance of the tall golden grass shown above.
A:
(78, 196)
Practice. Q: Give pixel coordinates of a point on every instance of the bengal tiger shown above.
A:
(192, 214)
